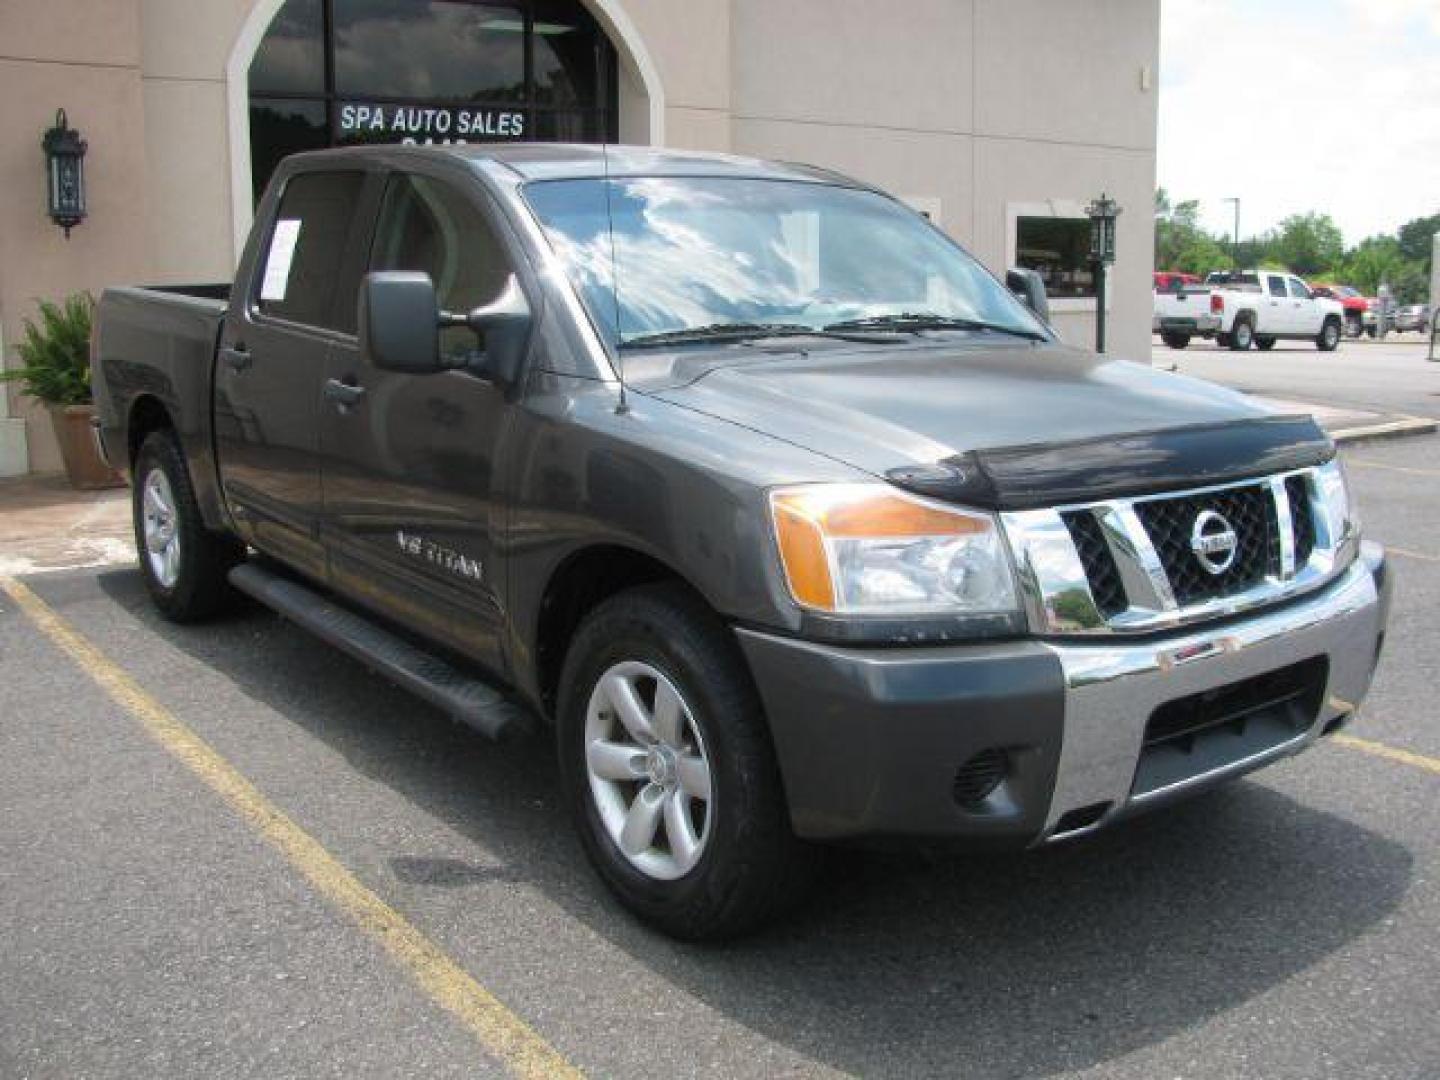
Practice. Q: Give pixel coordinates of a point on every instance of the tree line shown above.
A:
(1309, 245)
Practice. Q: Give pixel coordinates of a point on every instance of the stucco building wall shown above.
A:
(978, 111)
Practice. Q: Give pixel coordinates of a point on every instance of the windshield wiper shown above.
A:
(924, 320)
(736, 331)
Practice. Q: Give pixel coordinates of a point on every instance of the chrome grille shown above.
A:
(1127, 565)
(1099, 563)
(1302, 517)
(1250, 512)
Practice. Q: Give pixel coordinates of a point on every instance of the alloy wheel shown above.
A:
(648, 769)
(161, 528)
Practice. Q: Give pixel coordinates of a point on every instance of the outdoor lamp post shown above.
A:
(65, 169)
(1102, 213)
(1235, 236)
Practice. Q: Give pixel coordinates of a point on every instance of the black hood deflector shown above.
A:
(1143, 463)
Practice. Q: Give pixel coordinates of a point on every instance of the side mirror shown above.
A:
(1030, 288)
(399, 322)
(503, 326)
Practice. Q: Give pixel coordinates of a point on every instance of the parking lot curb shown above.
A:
(1390, 429)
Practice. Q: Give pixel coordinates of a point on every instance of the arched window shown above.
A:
(340, 72)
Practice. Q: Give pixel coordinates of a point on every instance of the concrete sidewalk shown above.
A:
(1346, 424)
(45, 524)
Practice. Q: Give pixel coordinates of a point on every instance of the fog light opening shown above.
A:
(977, 779)
(1335, 723)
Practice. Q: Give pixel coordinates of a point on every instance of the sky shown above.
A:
(1325, 105)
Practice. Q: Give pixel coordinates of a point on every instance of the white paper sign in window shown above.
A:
(282, 256)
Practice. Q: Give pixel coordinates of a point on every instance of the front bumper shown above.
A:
(872, 742)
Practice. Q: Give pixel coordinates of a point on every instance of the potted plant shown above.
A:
(56, 371)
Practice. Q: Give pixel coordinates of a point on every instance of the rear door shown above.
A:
(273, 351)
(1275, 314)
(412, 514)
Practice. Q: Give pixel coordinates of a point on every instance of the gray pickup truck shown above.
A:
(791, 521)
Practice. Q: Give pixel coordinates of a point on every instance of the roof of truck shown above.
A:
(556, 161)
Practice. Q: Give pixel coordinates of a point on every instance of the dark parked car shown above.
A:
(788, 520)
(1414, 317)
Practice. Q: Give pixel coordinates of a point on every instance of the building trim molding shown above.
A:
(611, 15)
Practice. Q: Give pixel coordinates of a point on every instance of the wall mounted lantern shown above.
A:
(65, 169)
(1102, 214)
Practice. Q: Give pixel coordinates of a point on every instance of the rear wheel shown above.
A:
(1264, 344)
(1329, 337)
(1242, 335)
(669, 770)
(1354, 327)
(1174, 339)
(183, 563)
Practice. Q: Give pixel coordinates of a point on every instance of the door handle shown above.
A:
(345, 395)
(236, 358)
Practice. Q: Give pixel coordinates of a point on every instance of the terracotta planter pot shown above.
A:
(83, 465)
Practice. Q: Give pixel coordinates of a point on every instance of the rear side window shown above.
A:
(428, 226)
(1277, 285)
(307, 245)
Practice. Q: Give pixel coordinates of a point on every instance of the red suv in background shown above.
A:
(1173, 280)
(1350, 298)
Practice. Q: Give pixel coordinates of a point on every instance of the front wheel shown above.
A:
(1329, 337)
(183, 563)
(1264, 344)
(669, 770)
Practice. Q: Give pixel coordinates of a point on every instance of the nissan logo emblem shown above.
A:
(1214, 542)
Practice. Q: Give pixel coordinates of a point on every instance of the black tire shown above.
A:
(751, 867)
(199, 588)
(1175, 340)
(1264, 344)
(1242, 334)
(1328, 340)
(1222, 341)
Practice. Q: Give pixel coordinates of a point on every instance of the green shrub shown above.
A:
(56, 354)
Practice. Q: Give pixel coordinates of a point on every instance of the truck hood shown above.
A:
(887, 410)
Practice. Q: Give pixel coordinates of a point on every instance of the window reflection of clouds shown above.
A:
(438, 50)
(691, 251)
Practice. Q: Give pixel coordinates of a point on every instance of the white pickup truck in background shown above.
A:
(1243, 308)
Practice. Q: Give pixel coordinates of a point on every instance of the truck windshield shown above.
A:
(694, 257)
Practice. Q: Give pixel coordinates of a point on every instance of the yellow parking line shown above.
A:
(516, 1045)
(1390, 753)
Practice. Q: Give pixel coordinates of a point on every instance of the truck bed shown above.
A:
(158, 343)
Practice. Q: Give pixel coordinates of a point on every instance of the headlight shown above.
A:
(868, 549)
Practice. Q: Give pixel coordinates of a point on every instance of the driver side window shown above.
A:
(426, 225)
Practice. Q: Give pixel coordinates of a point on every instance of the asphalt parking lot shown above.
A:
(154, 922)
(1391, 375)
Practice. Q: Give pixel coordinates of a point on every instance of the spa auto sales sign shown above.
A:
(373, 122)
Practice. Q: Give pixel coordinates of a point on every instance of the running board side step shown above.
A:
(472, 701)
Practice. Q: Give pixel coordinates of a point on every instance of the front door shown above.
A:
(273, 351)
(1276, 317)
(1306, 317)
(411, 514)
